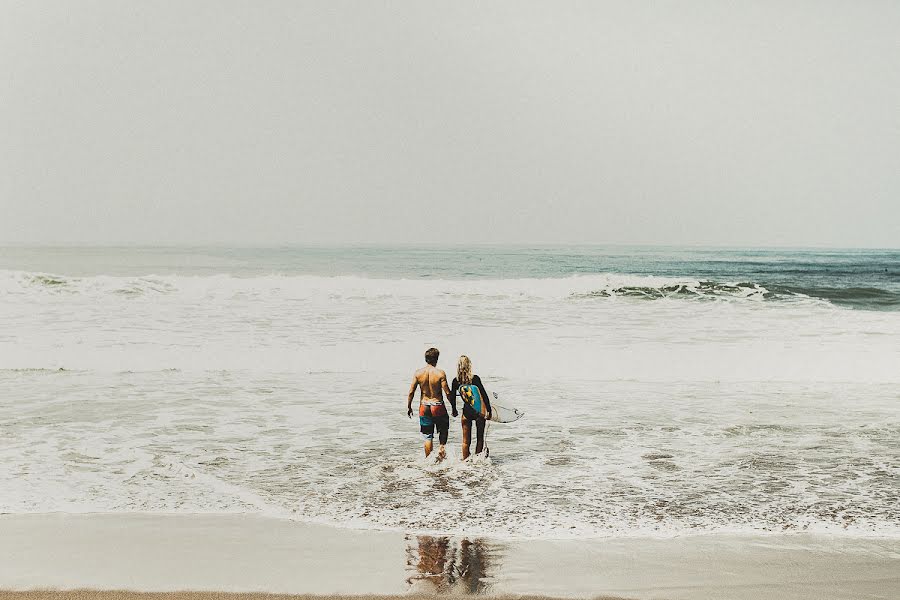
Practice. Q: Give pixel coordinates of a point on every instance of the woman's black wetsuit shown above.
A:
(470, 413)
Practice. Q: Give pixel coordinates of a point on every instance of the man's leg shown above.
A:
(466, 436)
(443, 427)
(426, 426)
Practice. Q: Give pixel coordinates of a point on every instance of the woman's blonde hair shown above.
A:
(464, 370)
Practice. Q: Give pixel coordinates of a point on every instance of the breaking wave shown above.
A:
(578, 287)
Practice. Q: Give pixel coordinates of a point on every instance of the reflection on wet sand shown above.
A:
(444, 564)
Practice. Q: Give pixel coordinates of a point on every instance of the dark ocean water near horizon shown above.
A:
(858, 278)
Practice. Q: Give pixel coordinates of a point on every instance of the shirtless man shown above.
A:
(432, 412)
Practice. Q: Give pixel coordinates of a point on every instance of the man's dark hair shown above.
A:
(431, 356)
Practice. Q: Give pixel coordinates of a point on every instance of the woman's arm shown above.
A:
(452, 395)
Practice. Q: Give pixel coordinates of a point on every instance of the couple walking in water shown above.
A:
(433, 412)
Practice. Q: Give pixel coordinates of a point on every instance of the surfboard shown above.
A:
(471, 395)
(504, 414)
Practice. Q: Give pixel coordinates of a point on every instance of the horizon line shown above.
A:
(413, 245)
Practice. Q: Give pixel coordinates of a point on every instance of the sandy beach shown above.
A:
(220, 555)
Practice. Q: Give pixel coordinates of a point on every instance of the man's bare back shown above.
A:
(432, 412)
(432, 381)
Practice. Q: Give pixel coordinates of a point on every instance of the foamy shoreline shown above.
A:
(253, 556)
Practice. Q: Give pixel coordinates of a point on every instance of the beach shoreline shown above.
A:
(68, 556)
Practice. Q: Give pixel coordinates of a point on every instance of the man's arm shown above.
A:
(412, 394)
(451, 394)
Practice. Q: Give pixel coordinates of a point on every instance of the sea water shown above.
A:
(667, 391)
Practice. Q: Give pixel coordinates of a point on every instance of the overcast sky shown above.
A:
(748, 123)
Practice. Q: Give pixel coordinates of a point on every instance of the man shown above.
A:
(432, 412)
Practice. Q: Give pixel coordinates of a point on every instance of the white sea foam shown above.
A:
(655, 406)
(519, 328)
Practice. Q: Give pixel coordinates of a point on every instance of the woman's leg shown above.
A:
(479, 426)
(466, 435)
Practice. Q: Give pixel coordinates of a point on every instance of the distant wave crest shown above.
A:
(697, 289)
(578, 287)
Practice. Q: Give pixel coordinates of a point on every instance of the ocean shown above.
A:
(667, 391)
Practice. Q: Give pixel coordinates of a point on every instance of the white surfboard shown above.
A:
(503, 414)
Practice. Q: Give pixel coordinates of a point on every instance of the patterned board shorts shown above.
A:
(431, 417)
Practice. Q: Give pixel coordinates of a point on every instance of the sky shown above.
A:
(673, 123)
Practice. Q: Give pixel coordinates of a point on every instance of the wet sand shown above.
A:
(223, 555)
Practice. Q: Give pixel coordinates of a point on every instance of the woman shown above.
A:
(464, 376)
